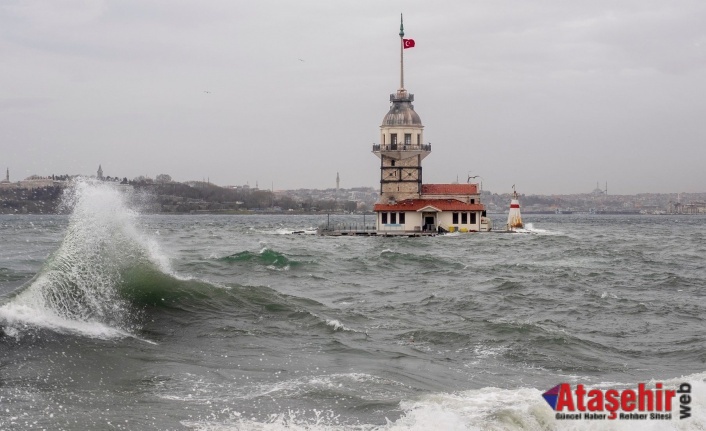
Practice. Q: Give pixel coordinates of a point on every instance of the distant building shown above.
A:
(36, 182)
(6, 182)
(100, 173)
(690, 208)
(406, 204)
(598, 192)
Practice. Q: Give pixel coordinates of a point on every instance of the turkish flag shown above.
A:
(408, 43)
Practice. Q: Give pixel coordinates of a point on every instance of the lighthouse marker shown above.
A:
(514, 219)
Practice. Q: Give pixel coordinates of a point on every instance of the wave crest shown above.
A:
(78, 288)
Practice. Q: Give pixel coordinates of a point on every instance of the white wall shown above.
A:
(412, 219)
(445, 220)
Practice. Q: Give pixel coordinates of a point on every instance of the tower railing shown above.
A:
(401, 147)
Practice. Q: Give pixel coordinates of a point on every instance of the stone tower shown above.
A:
(401, 148)
(100, 172)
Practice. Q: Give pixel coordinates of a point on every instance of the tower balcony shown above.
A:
(402, 151)
(426, 148)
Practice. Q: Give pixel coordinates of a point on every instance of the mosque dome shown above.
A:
(402, 111)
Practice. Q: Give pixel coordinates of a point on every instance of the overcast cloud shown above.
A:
(552, 96)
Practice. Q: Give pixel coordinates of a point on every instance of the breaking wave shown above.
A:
(79, 288)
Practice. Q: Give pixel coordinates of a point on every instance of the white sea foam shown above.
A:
(450, 235)
(77, 289)
(274, 268)
(291, 231)
(20, 316)
(484, 352)
(334, 323)
(337, 325)
(529, 228)
(608, 295)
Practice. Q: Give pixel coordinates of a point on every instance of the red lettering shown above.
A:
(612, 403)
(565, 399)
(668, 395)
(580, 392)
(627, 400)
(595, 401)
(611, 400)
(645, 396)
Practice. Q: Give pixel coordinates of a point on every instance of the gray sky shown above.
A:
(552, 96)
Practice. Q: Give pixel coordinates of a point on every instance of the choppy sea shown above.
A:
(113, 319)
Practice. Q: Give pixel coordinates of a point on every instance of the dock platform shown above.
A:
(371, 232)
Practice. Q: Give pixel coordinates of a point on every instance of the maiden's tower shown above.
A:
(407, 205)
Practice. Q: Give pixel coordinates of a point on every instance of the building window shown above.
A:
(392, 163)
(473, 218)
(472, 200)
(393, 139)
(464, 218)
(419, 139)
(393, 218)
(401, 218)
(454, 218)
(408, 139)
(384, 218)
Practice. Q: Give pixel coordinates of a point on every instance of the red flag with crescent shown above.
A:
(408, 43)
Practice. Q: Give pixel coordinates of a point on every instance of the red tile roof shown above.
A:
(449, 189)
(440, 204)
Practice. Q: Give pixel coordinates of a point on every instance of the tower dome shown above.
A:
(402, 111)
(401, 148)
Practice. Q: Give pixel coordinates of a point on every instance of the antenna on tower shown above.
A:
(401, 53)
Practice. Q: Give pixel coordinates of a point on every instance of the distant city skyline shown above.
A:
(550, 98)
(600, 189)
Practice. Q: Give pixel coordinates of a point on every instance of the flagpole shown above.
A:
(401, 53)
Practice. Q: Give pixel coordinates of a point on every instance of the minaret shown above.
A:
(338, 182)
(7, 175)
(100, 172)
(401, 148)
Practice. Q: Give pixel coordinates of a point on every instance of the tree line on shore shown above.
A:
(164, 195)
